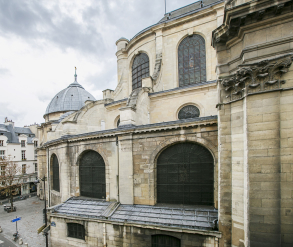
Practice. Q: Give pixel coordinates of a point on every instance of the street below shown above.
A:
(30, 211)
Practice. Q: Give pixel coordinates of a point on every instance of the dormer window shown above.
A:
(1, 143)
(22, 144)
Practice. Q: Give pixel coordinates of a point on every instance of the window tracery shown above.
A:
(192, 60)
(189, 111)
(185, 175)
(140, 70)
(92, 175)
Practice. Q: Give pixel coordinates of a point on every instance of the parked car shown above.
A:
(8, 208)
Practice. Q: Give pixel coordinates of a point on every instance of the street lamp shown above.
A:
(45, 209)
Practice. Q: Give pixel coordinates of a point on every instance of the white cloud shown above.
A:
(42, 41)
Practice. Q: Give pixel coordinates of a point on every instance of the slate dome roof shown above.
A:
(71, 98)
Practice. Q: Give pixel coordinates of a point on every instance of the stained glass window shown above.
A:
(140, 70)
(185, 175)
(192, 60)
(189, 111)
(56, 185)
(92, 175)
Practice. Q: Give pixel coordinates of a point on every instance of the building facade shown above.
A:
(19, 144)
(192, 148)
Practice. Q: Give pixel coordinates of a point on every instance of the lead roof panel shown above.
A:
(191, 217)
(71, 98)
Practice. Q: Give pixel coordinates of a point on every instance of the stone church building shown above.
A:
(194, 145)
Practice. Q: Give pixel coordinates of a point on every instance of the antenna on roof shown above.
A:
(165, 7)
(75, 75)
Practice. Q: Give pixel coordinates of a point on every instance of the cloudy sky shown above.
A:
(42, 41)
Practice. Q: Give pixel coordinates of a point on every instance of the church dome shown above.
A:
(71, 98)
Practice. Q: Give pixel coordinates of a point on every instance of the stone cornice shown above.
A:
(128, 129)
(194, 87)
(259, 77)
(247, 14)
(216, 234)
(252, 48)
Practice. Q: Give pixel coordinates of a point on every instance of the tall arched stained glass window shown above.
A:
(140, 70)
(185, 175)
(92, 175)
(56, 183)
(192, 60)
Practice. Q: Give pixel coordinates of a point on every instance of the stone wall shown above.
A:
(133, 166)
(117, 235)
(255, 108)
(68, 157)
(161, 43)
(146, 149)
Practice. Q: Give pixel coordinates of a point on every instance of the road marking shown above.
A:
(1, 242)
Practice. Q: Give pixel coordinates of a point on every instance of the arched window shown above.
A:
(165, 241)
(56, 183)
(140, 70)
(192, 60)
(189, 111)
(185, 175)
(92, 175)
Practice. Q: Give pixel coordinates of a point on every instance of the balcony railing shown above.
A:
(23, 159)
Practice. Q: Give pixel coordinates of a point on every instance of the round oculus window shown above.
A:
(189, 111)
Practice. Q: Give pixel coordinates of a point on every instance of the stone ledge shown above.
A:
(211, 120)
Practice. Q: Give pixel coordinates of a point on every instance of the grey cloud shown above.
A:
(104, 24)
(6, 111)
(31, 21)
(106, 79)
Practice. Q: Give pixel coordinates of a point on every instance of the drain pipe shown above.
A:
(117, 176)
(104, 234)
(48, 180)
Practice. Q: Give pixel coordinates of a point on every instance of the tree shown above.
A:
(10, 178)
